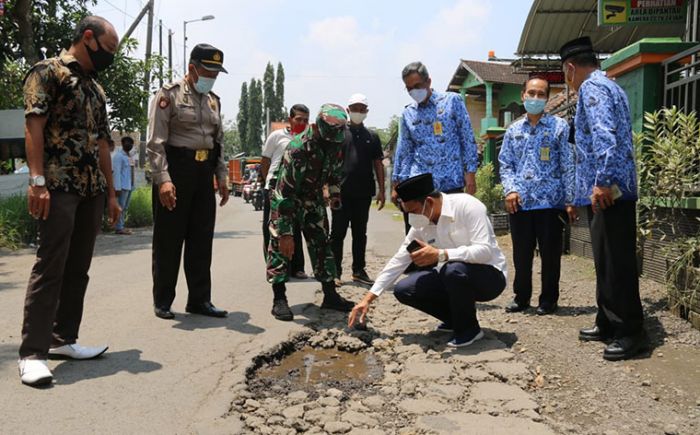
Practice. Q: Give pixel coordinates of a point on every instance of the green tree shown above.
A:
(269, 98)
(122, 83)
(253, 143)
(242, 117)
(280, 113)
(30, 26)
(232, 140)
(389, 135)
(11, 77)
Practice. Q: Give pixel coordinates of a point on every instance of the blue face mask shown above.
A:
(534, 106)
(419, 95)
(204, 85)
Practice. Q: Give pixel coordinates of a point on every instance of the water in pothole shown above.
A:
(310, 369)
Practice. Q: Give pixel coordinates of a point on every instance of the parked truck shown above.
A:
(239, 170)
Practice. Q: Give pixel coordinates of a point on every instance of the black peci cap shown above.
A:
(576, 46)
(208, 57)
(416, 187)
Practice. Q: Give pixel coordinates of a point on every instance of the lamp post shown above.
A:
(184, 39)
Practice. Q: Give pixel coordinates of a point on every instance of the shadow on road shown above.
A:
(9, 354)
(70, 372)
(236, 321)
(113, 244)
(236, 234)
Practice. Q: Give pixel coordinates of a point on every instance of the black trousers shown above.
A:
(297, 262)
(190, 223)
(53, 306)
(354, 213)
(614, 239)
(542, 228)
(451, 294)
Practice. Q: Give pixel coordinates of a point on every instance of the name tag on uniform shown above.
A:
(437, 128)
(201, 155)
(544, 154)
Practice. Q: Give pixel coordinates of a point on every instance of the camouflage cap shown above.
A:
(331, 121)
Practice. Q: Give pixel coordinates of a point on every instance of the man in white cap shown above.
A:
(362, 151)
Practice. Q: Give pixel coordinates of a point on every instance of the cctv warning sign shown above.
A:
(638, 12)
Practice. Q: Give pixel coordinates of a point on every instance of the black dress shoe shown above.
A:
(543, 310)
(163, 313)
(626, 347)
(281, 310)
(206, 309)
(593, 334)
(515, 307)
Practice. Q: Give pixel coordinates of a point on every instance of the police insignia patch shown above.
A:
(212, 104)
(164, 102)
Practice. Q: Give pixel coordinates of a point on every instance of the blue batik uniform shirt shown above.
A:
(436, 137)
(537, 162)
(604, 148)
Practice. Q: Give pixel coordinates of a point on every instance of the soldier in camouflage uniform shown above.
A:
(312, 160)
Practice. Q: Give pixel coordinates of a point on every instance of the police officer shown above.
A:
(537, 173)
(313, 159)
(606, 183)
(184, 147)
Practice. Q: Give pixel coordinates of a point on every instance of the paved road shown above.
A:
(158, 376)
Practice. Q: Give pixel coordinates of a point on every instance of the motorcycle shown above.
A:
(247, 189)
(257, 196)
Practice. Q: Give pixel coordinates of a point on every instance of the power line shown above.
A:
(119, 9)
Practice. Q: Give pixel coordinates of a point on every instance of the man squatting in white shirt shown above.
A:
(454, 234)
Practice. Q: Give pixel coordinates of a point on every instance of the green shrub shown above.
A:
(17, 226)
(486, 191)
(140, 212)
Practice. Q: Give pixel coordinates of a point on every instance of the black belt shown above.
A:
(201, 155)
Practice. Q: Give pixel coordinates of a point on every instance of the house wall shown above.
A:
(477, 112)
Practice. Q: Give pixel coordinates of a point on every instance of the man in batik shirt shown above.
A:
(435, 137)
(606, 183)
(70, 176)
(537, 173)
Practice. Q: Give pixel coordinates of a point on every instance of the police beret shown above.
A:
(416, 187)
(576, 46)
(208, 57)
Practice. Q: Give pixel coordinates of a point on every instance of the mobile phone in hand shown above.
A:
(413, 246)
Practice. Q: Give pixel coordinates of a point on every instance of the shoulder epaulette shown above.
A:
(171, 85)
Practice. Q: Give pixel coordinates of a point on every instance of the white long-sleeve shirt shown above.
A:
(463, 230)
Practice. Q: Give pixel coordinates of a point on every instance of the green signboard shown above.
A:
(636, 12)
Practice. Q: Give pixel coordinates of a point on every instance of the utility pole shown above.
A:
(147, 75)
(160, 51)
(170, 55)
(147, 79)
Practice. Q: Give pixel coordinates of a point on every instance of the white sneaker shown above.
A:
(76, 351)
(34, 372)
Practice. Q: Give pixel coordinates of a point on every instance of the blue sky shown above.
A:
(331, 50)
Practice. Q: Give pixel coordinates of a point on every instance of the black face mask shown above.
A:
(101, 59)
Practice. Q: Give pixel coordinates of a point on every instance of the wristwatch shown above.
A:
(37, 180)
(442, 256)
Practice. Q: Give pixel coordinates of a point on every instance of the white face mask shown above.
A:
(357, 117)
(419, 220)
(419, 95)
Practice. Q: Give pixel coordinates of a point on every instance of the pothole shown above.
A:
(314, 364)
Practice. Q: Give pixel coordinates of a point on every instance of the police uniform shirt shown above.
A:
(181, 117)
